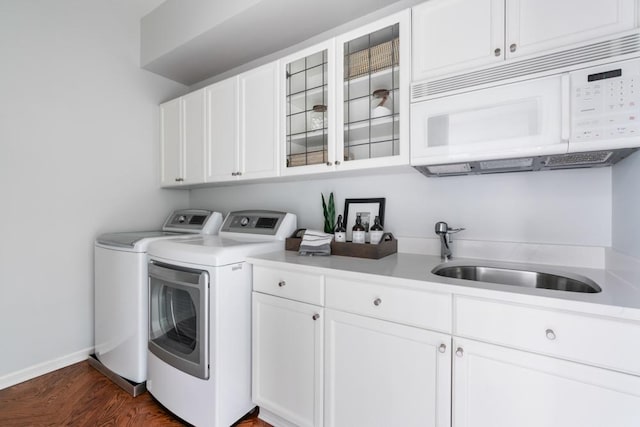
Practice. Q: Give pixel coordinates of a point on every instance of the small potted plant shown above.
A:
(329, 211)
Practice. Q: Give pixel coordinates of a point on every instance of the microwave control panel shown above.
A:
(605, 102)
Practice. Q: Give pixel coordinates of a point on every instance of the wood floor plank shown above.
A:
(78, 395)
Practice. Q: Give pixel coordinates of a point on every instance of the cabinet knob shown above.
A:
(550, 334)
(281, 283)
(442, 348)
(238, 173)
(337, 162)
(315, 316)
(234, 174)
(497, 52)
(377, 301)
(329, 163)
(513, 47)
(459, 352)
(179, 179)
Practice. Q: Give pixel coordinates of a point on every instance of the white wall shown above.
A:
(556, 207)
(626, 206)
(78, 156)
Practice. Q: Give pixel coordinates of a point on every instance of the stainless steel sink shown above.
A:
(517, 277)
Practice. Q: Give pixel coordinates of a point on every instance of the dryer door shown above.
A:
(179, 317)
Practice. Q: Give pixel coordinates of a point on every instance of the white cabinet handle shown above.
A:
(459, 352)
(497, 52)
(315, 316)
(281, 283)
(377, 301)
(513, 47)
(550, 334)
(442, 348)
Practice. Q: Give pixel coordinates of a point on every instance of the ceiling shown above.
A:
(230, 34)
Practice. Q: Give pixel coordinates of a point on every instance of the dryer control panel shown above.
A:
(260, 222)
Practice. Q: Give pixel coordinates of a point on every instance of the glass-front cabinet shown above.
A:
(309, 109)
(347, 100)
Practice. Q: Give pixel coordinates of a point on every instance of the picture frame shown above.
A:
(368, 210)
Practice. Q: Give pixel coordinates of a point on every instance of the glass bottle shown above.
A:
(358, 231)
(340, 233)
(376, 232)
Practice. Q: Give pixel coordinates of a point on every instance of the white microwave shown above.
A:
(583, 118)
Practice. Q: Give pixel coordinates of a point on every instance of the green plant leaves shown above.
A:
(329, 211)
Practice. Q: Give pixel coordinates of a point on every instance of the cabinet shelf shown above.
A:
(374, 130)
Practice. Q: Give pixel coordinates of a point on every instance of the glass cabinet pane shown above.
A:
(371, 95)
(306, 112)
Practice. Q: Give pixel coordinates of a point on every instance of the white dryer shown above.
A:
(121, 291)
(199, 351)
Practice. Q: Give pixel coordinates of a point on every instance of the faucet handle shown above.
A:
(442, 227)
(455, 230)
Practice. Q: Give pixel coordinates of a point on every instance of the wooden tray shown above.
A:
(387, 246)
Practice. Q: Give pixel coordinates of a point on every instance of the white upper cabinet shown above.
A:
(534, 26)
(308, 105)
(182, 140)
(222, 141)
(259, 115)
(373, 97)
(450, 35)
(243, 127)
(454, 35)
(345, 102)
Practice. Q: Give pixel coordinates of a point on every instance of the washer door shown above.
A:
(179, 317)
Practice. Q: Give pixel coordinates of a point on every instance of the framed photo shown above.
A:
(368, 209)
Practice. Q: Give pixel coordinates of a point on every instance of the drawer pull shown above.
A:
(459, 352)
(550, 334)
(281, 283)
(513, 47)
(377, 301)
(315, 316)
(497, 52)
(442, 348)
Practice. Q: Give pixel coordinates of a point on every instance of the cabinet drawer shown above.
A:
(294, 285)
(595, 340)
(428, 310)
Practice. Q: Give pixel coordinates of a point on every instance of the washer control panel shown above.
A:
(605, 102)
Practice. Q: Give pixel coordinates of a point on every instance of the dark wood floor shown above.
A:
(78, 395)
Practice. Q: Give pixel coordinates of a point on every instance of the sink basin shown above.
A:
(517, 277)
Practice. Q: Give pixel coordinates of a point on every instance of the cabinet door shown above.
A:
(538, 25)
(287, 359)
(379, 373)
(500, 387)
(170, 143)
(308, 82)
(453, 35)
(259, 122)
(194, 130)
(222, 139)
(372, 100)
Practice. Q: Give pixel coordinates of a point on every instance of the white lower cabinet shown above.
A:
(501, 387)
(287, 360)
(379, 373)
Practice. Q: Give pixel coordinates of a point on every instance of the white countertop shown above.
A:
(618, 298)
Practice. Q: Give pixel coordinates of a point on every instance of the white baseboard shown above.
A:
(44, 368)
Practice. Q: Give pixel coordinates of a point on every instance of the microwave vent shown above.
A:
(590, 158)
(613, 48)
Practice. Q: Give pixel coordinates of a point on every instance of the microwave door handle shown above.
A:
(566, 108)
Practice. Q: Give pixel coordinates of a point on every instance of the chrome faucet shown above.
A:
(443, 230)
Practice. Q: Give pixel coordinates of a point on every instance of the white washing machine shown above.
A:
(199, 352)
(121, 291)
